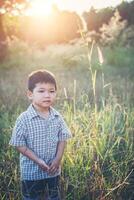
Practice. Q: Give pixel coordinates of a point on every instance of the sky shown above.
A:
(82, 5)
(41, 7)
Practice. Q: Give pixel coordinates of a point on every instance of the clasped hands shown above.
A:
(52, 168)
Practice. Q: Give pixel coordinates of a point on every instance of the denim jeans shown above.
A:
(46, 189)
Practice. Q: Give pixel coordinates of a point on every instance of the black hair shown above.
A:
(40, 76)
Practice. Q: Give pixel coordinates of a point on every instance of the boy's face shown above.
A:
(43, 95)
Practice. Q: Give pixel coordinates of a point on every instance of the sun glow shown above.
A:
(44, 7)
(41, 8)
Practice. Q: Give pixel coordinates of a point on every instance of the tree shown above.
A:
(126, 10)
(91, 19)
(104, 15)
(10, 6)
(95, 18)
(111, 32)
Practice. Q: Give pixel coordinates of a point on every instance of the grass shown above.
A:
(98, 162)
(99, 158)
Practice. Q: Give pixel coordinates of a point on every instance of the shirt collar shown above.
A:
(32, 112)
(53, 113)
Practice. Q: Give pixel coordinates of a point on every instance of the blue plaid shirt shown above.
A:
(41, 136)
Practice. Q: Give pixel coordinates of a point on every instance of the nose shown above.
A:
(46, 94)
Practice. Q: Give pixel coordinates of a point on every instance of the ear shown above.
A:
(29, 95)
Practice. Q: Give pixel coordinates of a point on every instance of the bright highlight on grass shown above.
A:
(100, 56)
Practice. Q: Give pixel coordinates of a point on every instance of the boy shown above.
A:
(40, 136)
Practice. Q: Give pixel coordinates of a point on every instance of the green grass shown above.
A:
(99, 158)
(98, 162)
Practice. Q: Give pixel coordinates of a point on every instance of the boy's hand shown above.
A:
(54, 166)
(43, 165)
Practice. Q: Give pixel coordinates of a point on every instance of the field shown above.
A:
(96, 100)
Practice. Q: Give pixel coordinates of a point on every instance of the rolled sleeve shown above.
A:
(18, 134)
(64, 132)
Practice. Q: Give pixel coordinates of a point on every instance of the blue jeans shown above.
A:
(46, 189)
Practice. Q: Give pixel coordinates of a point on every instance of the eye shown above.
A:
(41, 91)
(52, 91)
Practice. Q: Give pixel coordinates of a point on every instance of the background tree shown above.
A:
(9, 6)
(96, 18)
(126, 10)
(91, 19)
(111, 32)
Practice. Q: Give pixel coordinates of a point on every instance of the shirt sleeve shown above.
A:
(18, 134)
(64, 132)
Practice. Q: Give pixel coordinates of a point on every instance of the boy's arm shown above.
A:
(59, 154)
(32, 156)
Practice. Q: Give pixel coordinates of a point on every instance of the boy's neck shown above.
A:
(43, 112)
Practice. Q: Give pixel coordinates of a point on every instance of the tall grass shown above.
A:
(98, 161)
(96, 166)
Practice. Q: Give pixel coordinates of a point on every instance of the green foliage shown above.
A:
(96, 18)
(126, 9)
(98, 165)
(68, 62)
(122, 59)
(98, 161)
(127, 38)
(8, 170)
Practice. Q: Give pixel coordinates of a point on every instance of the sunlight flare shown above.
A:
(44, 7)
(41, 8)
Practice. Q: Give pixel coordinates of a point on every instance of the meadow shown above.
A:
(96, 100)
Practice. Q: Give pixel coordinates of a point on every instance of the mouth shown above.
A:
(47, 101)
